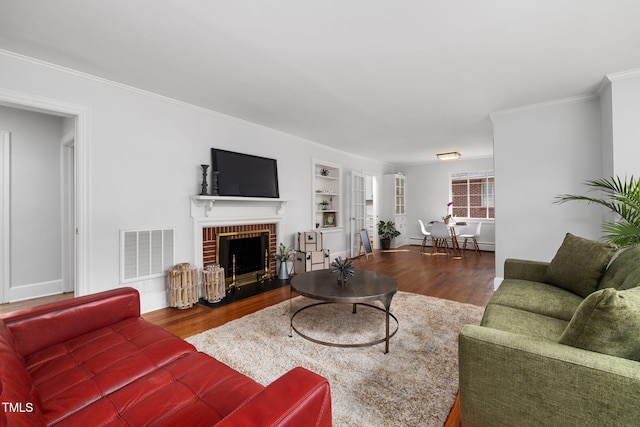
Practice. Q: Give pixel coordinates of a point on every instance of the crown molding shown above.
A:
(612, 77)
(563, 101)
(59, 68)
(70, 71)
(623, 75)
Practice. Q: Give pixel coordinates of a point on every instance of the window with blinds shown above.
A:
(473, 194)
(146, 254)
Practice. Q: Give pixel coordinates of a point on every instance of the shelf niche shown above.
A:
(327, 186)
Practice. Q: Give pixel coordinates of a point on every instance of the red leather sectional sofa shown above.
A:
(93, 360)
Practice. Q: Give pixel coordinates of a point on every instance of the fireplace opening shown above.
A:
(247, 253)
(243, 255)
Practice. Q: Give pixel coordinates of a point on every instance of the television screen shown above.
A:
(245, 175)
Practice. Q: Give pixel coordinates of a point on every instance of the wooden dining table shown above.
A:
(457, 251)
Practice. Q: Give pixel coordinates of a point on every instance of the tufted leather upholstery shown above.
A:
(93, 361)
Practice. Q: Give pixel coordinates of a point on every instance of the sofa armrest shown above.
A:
(525, 269)
(298, 398)
(45, 325)
(508, 379)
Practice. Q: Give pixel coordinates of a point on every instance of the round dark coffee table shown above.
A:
(361, 288)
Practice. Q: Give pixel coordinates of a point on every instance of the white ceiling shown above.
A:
(392, 80)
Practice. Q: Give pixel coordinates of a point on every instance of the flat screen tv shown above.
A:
(245, 175)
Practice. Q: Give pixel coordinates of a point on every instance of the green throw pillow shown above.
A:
(579, 264)
(624, 271)
(607, 321)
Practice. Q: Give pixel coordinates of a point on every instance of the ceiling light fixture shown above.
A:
(449, 156)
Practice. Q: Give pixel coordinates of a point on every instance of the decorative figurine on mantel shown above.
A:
(204, 185)
(344, 268)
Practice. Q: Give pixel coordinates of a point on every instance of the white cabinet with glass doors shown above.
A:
(394, 209)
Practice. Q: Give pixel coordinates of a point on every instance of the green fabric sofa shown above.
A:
(559, 343)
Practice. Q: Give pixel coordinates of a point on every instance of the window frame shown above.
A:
(486, 194)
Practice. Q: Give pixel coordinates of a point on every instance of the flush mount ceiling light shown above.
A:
(449, 156)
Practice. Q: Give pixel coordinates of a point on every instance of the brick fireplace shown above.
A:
(230, 219)
(253, 246)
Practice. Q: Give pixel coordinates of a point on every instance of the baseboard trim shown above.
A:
(35, 290)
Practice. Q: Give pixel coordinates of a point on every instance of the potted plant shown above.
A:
(285, 258)
(620, 197)
(448, 216)
(386, 232)
(323, 205)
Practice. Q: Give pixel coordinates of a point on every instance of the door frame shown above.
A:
(82, 146)
(5, 213)
(376, 179)
(357, 223)
(68, 223)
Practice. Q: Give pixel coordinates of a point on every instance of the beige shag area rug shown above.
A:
(413, 385)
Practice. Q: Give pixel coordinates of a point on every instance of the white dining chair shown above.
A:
(472, 238)
(426, 235)
(440, 236)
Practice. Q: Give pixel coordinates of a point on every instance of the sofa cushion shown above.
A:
(194, 390)
(624, 271)
(536, 297)
(607, 322)
(579, 264)
(72, 375)
(523, 322)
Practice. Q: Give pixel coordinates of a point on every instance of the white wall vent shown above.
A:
(145, 254)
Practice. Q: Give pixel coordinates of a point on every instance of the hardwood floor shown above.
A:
(468, 280)
(6, 308)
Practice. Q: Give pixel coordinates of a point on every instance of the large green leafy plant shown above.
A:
(387, 230)
(621, 197)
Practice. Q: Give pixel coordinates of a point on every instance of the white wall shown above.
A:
(145, 153)
(540, 152)
(429, 191)
(35, 201)
(625, 114)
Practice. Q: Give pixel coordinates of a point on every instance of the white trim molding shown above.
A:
(82, 116)
(570, 100)
(233, 211)
(5, 214)
(21, 293)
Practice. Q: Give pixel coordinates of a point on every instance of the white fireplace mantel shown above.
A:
(205, 205)
(212, 211)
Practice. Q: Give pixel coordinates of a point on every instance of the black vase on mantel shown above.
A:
(204, 185)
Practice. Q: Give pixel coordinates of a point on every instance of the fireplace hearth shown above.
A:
(239, 218)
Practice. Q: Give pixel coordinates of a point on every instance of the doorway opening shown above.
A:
(371, 208)
(68, 214)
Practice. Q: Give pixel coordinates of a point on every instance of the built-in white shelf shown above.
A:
(326, 186)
